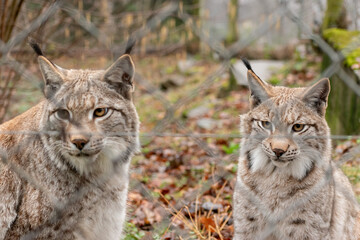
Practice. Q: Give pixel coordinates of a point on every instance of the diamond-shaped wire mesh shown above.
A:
(74, 28)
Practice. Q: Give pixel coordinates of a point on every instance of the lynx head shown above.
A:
(285, 130)
(91, 114)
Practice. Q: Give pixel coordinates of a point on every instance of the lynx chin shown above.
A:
(287, 185)
(65, 162)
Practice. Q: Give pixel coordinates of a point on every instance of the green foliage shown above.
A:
(132, 7)
(232, 148)
(353, 173)
(234, 168)
(183, 181)
(233, 60)
(156, 236)
(155, 194)
(132, 232)
(170, 69)
(274, 80)
(145, 179)
(342, 39)
(145, 150)
(299, 65)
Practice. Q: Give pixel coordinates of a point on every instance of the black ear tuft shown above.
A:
(246, 63)
(248, 66)
(258, 88)
(130, 45)
(35, 46)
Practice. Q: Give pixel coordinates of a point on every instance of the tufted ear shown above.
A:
(120, 76)
(52, 76)
(258, 88)
(316, 96)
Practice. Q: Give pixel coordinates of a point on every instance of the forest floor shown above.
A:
(183, 181)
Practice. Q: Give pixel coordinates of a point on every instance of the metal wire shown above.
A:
(173, 9)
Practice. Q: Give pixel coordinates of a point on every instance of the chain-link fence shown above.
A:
(174, 30)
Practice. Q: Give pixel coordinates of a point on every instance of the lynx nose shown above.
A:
(278, 152)
(80, 142)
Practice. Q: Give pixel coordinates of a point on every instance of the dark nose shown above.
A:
(278, 152)
(80, 143)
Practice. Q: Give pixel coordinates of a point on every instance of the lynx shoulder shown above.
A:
(64, 163)
(287, 186)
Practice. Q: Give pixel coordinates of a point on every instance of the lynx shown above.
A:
(64, 163)
(287, 186)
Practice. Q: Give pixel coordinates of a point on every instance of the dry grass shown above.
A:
(204, 225)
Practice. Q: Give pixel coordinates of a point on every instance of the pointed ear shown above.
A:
(258, 88)
(120, 76)
(52, 77)
(316, 96)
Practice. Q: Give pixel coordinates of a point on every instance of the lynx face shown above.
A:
(91, 115)
(287, 187)
(285, 130)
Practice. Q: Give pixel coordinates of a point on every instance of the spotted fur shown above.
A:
(49, 187)
(287, 186)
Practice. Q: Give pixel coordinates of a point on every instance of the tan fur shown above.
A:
(51, 189)
(299, 193)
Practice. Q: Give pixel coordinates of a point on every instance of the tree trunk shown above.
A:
(9, 12)
(335, 15)
(232, 37)
(343, 114)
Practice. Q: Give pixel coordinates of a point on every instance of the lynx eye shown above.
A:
(266, 124)
(298, 127)
(62, 114)
(100, 112)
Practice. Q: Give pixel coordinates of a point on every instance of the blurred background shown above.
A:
(191, 87)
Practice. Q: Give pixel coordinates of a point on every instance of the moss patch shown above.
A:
(347, 42)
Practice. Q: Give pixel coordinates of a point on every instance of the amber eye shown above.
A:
(62, 114)
(298, 127)
(100, 112)
(266, 124)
